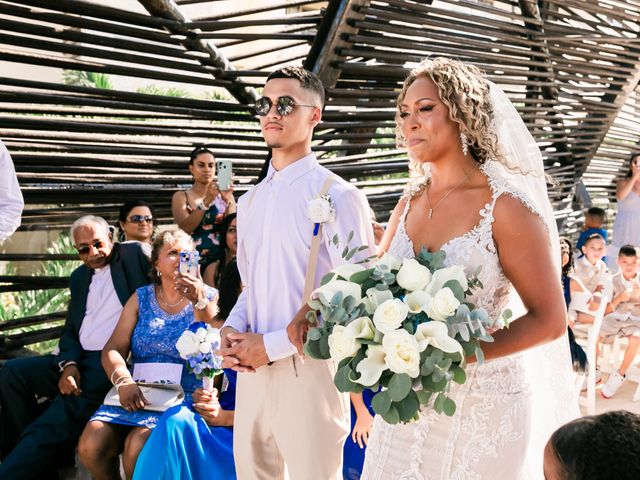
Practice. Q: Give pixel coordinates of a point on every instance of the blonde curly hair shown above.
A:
(464, 90)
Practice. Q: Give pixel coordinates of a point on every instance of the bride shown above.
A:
(477, 191)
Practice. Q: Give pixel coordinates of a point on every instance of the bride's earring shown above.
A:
(465, 143)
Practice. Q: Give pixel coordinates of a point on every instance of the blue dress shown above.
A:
(184, 446)
(353, 454)
(153, 341)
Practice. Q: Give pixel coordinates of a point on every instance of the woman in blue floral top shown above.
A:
(200, 209)
(150, 324)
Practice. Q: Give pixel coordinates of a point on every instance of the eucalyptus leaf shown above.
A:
(337, 298)
(361, 277)
(314, 334)
(345, 252)
(399, 386)
(327, 278)
(335, 240)
(449, 407)
(408, 407)
(381, 402)
(464, 331)
(392, 416)
(438, 405)
(430, 385)
(338, 315)
(312, 349)
(342, 380)
(323, 347)
(349, 303)
(424, 396)
(350, 237)
(479, 355)
(459, 375)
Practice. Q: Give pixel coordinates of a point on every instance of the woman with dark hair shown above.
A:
(136, 223)
(626, 228)
(228, 247)
(200, 209)
(229, 287)
(600, 447)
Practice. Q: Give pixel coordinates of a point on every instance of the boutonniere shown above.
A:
(321, 210)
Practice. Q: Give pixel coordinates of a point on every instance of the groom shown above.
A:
(289, 417)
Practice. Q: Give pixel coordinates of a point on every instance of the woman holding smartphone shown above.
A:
(200, 210)
(626, 229)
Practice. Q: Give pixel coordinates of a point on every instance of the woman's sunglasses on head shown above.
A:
(284, 106)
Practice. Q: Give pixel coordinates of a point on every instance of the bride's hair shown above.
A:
(464, 90)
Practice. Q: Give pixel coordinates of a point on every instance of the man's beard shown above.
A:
(274, 145)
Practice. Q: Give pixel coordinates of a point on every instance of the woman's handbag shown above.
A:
(161, 396)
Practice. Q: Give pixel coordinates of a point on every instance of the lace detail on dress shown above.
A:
(492, 417)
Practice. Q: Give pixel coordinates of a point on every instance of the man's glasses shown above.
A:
(84, 249)
(284, 106)
(140, 218)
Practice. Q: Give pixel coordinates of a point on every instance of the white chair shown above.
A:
(593, 333)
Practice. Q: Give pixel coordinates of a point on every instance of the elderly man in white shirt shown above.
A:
(11, 201)
(289, 418)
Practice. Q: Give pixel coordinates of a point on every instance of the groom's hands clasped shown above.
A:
(242, 352)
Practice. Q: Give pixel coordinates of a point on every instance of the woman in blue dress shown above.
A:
(194, 442)
(150, 324)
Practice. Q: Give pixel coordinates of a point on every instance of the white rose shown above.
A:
(402, 354)
(328, 290)
(346, 270)
(213, 335)
(418, 301)
(319, 210)
(436, 334)
(375, 298)
(444, 305)
(341, 344)
(412, 275)
(442, 276)
(371, 367)
(205, 347)
(390, 315)
(361, 327)
(392, 263)
(201, 334)
(188, 344)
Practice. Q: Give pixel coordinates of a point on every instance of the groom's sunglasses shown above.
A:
(284, 106)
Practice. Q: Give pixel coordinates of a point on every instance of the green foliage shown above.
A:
(81, 78)
(39, 302)
(154, 89)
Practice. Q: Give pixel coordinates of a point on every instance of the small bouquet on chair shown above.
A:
(403, 326)
(197, 345)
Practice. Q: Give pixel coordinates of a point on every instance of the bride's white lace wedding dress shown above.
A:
(488, 436)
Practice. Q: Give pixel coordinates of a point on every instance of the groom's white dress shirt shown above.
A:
(11, 201)
(274, 239)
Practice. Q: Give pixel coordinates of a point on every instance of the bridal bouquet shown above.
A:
(405, 326)
(197, 345)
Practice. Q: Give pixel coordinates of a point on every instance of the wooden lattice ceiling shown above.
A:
(571, 67)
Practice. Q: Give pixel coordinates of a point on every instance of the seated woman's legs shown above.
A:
(99, 447)
(132, 447)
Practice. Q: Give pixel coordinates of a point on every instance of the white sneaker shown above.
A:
(614, 382)
(586, 378)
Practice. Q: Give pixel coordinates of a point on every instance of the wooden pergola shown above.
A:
(571, 68)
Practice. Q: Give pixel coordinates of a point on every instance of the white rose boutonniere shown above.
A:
(321, 210)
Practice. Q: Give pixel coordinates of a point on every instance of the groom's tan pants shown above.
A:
(290, 422)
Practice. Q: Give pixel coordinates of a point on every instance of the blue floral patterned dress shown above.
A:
(153, 341)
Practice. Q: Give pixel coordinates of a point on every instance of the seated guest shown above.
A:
(600, 447)
(228, 247)
(200, 209)
(151, 323)
(623, 315)
(136, 223)
(74, 379)
(578, 355)
(594, 221)
(587, 280)
(193, 441)
(230, 288)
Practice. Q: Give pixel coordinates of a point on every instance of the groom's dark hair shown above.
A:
(308, 80)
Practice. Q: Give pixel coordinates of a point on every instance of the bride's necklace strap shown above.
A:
(432, 209)
(161, 296)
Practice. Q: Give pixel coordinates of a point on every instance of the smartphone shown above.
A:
(223, 170)
(189, 263)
